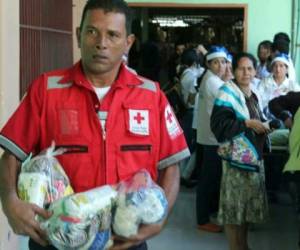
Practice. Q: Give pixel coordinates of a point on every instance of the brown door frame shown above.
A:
(219, 6)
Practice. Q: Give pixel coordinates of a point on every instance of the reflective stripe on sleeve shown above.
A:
(13, 148)
(174, 158)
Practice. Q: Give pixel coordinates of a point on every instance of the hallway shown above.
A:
(279, 233)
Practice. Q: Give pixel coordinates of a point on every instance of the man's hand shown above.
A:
(21, 217)
(288, 123)
(145, 232)
(168, 180)
(201, 49)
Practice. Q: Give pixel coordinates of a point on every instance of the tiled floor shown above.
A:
(279, 233)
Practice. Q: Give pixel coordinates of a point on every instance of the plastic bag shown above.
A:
(76, 219)
(42, 179)
(139, 201)
(33, 188)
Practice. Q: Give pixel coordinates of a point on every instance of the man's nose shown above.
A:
(101, 42)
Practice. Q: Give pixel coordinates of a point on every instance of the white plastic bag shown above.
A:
(42, 179)
(76, 219)
(139, 201)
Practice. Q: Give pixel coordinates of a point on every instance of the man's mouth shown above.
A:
(100, 57)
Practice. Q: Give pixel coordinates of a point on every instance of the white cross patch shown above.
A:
(173, 128)
(139, 121)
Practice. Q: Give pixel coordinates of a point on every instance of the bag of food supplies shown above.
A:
(42, 179)
(139, 201)
(77, 219)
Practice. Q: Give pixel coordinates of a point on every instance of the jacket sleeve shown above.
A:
(224, 123)
(285, 106)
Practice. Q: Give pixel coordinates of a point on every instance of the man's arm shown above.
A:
(169, 181)
(20, 214)
(289, 102)
(284, 107)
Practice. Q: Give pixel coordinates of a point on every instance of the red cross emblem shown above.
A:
(138, 118)
(169, 117)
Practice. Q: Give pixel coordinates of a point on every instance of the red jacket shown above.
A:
(141, 130)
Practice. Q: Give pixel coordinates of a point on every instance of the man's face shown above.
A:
(103, 41)
(179, 49)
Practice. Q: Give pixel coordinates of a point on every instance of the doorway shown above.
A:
(189, 24)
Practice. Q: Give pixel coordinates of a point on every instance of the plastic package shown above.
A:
(43, 171)
(33, 188)
(139, 201)
(76, 219)
(102, 241)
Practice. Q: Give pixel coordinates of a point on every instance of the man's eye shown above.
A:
(91, 31)
(113, 35)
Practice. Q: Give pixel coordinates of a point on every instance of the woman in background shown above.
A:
(236, 112)
(208, 189)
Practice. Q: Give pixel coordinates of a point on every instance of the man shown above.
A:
(174, 61)
(111, 121)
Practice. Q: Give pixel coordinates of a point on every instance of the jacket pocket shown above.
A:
(138, 119)
(78, 165)
(132, 158)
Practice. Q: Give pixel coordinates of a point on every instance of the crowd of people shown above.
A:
(113, 122)
(225, 97)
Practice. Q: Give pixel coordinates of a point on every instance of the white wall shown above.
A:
(9, 89)
(77, 11)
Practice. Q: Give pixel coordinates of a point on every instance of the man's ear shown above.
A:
(78, 36)
(130, 41)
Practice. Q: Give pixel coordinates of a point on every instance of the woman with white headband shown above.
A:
(208, 190)
(277, 83)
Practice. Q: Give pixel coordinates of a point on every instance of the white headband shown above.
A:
(280, 59)
(215, 55)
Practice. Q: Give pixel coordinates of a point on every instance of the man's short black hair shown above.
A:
(118, 6)
(281, 45)
(189, 57)
(281, 36)
(240, 55)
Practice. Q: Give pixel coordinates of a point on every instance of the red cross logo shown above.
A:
(169, 117)
(138, 118)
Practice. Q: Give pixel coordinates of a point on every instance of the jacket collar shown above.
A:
(126, 77)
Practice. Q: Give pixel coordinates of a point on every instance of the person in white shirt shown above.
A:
(277, 83)
(228, 71)
(189, 75)
(281, 44)
(263, 54)
(208, 189)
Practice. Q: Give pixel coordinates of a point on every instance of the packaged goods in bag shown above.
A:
(43, 176)
(139, 201)
(77, 219)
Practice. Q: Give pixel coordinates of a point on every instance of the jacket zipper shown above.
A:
(104, 154)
